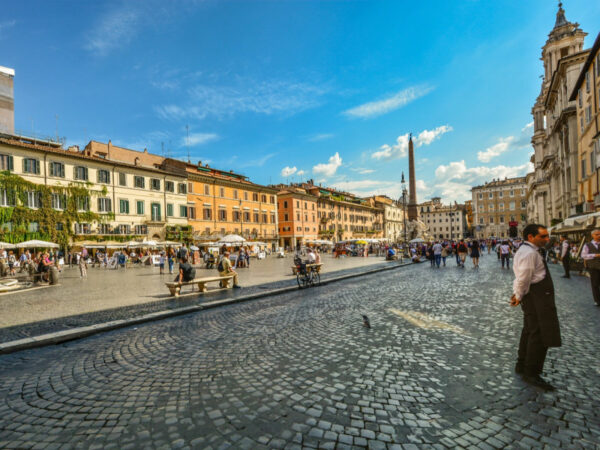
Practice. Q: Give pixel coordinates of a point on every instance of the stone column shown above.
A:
(412, 184)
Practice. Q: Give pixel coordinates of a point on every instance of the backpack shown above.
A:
(220, 267)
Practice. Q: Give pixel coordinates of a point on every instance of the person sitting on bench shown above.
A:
(225, 269)
(186, 271)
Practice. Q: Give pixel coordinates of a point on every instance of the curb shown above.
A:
(82, 332)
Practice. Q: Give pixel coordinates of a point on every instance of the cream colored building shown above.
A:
(137, 200)
(552, 189)
(443, 221)
(393, 218)
(586, 95)
(498, 205)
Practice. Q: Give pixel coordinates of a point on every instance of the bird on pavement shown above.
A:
(366, 322)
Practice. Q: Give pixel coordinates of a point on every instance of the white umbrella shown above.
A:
(168, 243)
(37, 244)
(7, 245)
(417, 241)
(232, 239)
(193, 248)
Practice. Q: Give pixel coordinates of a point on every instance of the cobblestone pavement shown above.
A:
(300, 370)
(18, 310)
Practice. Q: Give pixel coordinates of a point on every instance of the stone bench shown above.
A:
(309, 267)
(175, 287)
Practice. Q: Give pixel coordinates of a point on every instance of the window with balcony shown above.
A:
(139, 182)
(6, 162)
(57, 169)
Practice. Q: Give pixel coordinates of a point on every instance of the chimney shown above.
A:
(145, 150)
(109, 146)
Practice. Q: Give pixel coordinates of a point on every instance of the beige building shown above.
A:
(552, 188)
(137, 200)
(7, 101)
(443, 221)
(499, 206)
(586, 95)
(393, 218)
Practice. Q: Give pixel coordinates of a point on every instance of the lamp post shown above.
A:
(451, 226)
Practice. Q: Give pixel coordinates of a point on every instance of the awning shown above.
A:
(577, 223)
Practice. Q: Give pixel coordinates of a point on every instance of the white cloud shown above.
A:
(527, 128)
(320, 137)
(258, 162)
(398, 100)
(328, 169)
(263, 97)
(287, 171)
(199, 139)
(115, 29)
(489, 153)
(7, 24)
(300, 173)
(400, 148)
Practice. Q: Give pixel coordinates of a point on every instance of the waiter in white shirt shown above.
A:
(565, 255)
(534, 291)
(591, 255)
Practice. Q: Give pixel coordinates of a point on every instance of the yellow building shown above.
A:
(586, 94)
(135, 200)
(221, 203)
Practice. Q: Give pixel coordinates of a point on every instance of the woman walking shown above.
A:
(475, 254)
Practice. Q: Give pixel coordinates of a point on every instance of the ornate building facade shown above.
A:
(552, 187)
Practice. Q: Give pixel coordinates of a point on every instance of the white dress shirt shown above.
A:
(565, 247)
(529, 268)
(585, 254)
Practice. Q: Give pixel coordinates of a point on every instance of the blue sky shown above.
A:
(290, 90)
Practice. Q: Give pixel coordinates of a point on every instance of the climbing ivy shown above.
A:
(15, 219)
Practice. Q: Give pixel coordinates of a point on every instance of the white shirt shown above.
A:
(529, 268)
(437, 249)
(505, 249)
(585, 253)
(565, 247)
(311, 258)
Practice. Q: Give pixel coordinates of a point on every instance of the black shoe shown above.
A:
(537, 381)
(519, 368)
(566, 276)
(237, 286)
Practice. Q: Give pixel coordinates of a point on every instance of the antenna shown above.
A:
(162, 149)
(187, 130)
(56, 117)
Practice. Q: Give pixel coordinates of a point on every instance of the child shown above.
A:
(161, 263)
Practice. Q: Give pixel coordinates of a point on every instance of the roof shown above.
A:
(585, 68)
(500, 183)
(218, 174)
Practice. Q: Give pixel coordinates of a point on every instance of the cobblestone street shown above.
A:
(300, 370)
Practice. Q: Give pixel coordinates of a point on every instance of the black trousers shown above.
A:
(532, 351)
(506, 257)
(595, 279)
(566, 261)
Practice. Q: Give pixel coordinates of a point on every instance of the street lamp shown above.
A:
(451, 226)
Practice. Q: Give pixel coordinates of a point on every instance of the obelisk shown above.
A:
(412, 184)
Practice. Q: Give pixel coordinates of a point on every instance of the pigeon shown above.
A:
(366, 322)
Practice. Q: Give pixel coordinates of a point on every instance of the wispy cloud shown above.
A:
(258, 162)
(196, 139)
(386, 105)
(7, 24)
(400, 148)
(328, 169)
(114, 29)
(320, 137)
(508, 143)
(265, 97)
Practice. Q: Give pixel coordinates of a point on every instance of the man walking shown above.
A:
(534, 291)
(462, 252)
(565, 255)
(437, 253)
(591, 255)
(505, 254)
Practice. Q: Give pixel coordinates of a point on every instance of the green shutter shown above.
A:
(10, 163)
(37, 166)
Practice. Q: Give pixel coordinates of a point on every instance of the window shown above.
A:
(500, 206)
(169, 210)
(206, 189)
(191, 212)
(221, 192)
(245, 196)
(104, 205)
(273, 218)
(264, 218)
(272, 199)
(254, 197)
(57, 169)
(169, 186)
(33, 227)
(583, 172)
(263, 198)
(491, 195)
(588, 114)
(255, 217)
(490, 207)
(123, 229)
(59, 201)
(122, 179)
(500, 194)
(6, 162)
(587, 81)
(501, 219)
(59, 226)
(139, 207)
(141, 229)
(8, 198)
(124, 206)
(580, 98)
(80, 173)
(491, 220)
(480, 208)
(236, 216)
(31, 165)
(285, 205)
(246, 216)
(182, 211)
(190, 187)
(235, 194)
(103, 176)
(139, 182)
(480, 196)
(207, 214)
(512, 193)
(34, 199)
(523, 205)
(581, 124)
(83, 228)
(222, 214)
(83, 203)
(155, 184)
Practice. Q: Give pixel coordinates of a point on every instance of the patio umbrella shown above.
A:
(168, 243)
(194, 248)
(417, 241)
(37, 244)
(7, 245)
(232, 239)
(361, 242)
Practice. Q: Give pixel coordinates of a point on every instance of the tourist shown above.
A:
(445, 253)
(161, 263)
(591, 255)
(171, 260)
(186, 271)
(475, 254)
(225, 269)
(82, 265)
(504, 252)
(565, 255)
(11, 262)
(461, 249)
(437, 253)
(534, 291)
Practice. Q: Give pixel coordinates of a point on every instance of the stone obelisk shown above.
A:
(412, 184)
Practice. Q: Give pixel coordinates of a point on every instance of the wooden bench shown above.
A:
(175, 287)
(309, 267)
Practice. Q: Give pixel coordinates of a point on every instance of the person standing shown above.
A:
(534, 291)
(591, 255)
(462, 252)
(437, 253)
(83, 264)
(504, 251)
(475, 254)
(444, 253)
(565, 255)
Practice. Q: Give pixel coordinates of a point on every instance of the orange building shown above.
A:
(298, 220)
(221, 203)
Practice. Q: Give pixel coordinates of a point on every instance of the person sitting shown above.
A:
(391, 254)
(225, 269)
(186, 271)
